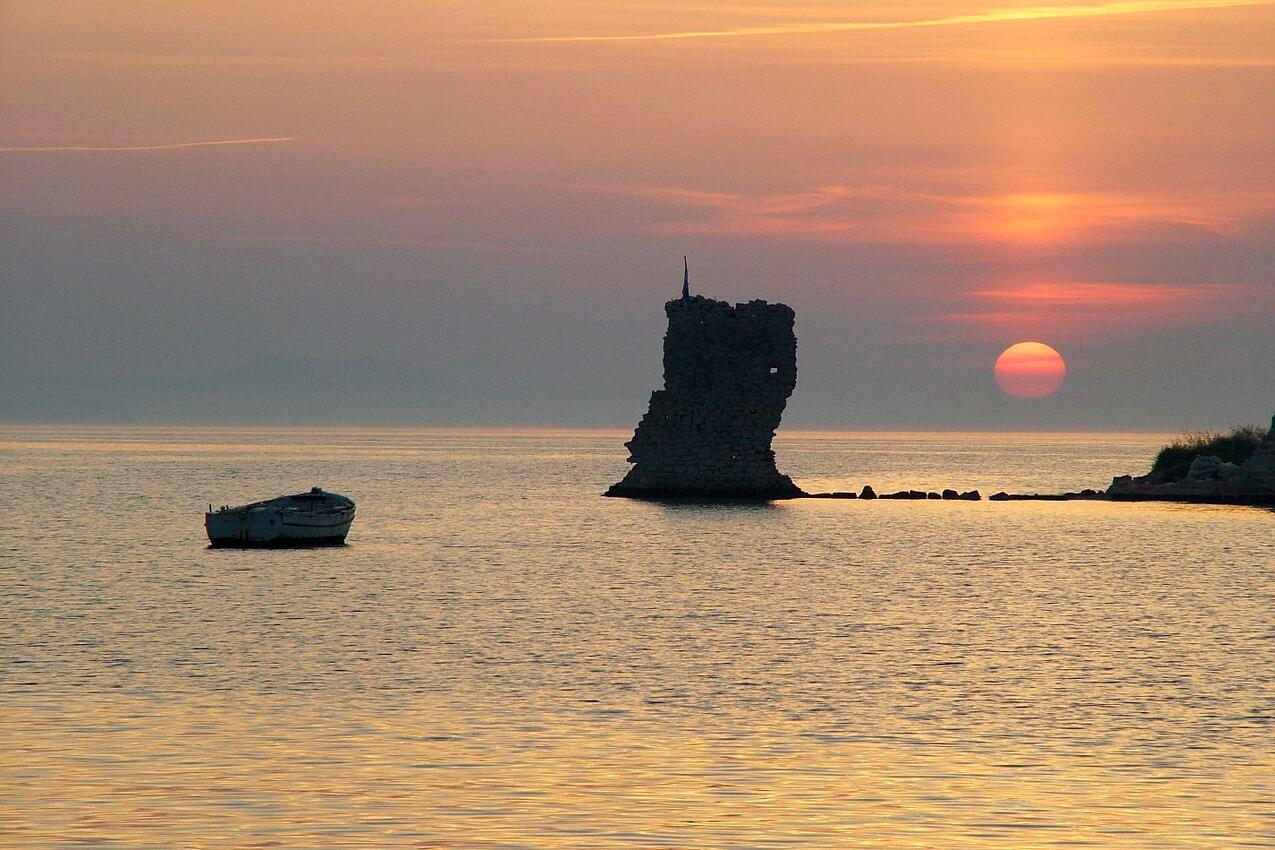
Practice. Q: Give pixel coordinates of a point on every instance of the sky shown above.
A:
(471, 212)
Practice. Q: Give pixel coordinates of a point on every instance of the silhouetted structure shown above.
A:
(728, 372)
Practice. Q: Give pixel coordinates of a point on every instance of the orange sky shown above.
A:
(969, 174)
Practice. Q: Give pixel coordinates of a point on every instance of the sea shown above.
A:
(500, 658)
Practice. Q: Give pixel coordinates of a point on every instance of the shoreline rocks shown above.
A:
(902, 495)
(922, 495)
(1087, 495)
(1208, 480)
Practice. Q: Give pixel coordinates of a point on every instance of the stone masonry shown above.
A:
(728, 373)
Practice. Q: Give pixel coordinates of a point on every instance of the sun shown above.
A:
(1030, 370)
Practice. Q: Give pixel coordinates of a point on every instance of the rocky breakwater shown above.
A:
(728, 373)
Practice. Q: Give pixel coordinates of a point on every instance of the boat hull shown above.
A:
(277, 543)
(264, 528)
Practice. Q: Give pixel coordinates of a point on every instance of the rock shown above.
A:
(971, 496)
(933, 496)
(1257, 475)
(1002, 496)
(1210, 468)
(728, 373)
(842, 494)
(868, 492)
(1122, 484)
(951, 494)
(1205, 479)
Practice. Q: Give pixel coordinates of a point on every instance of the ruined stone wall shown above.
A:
(728, 373)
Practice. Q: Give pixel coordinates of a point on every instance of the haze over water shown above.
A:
(500, 658)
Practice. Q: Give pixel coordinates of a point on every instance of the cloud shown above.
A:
(1070, 310)
(1073, 58)
(1030, 13)
(173, 146)
(1108, 296)
(223, 61)
(387, 242)
(839, 213)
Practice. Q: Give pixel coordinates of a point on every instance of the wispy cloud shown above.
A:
(1069, 309)
(387, 241)
(891, 214)
(1072, 58)
(1108, 296)
(1006, 15)
(172, 146)
(223, 61)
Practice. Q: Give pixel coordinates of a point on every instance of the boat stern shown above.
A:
(231, 527)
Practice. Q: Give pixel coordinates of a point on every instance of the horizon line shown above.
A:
(806, 431)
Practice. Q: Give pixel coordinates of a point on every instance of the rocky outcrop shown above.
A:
(1258, 472)
(728, 373)
(1209, 480)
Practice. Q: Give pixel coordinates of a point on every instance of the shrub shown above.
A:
(1173, 461)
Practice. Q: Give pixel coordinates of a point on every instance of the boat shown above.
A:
(316, 518)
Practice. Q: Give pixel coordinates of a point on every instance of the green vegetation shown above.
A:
(1173, 461)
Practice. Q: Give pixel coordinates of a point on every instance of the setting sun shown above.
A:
(1030, 370)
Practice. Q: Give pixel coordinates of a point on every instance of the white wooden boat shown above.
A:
(317, 518)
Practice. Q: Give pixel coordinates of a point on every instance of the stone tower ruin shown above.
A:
(728, 373)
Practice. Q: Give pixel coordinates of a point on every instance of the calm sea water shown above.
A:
(500, 658)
